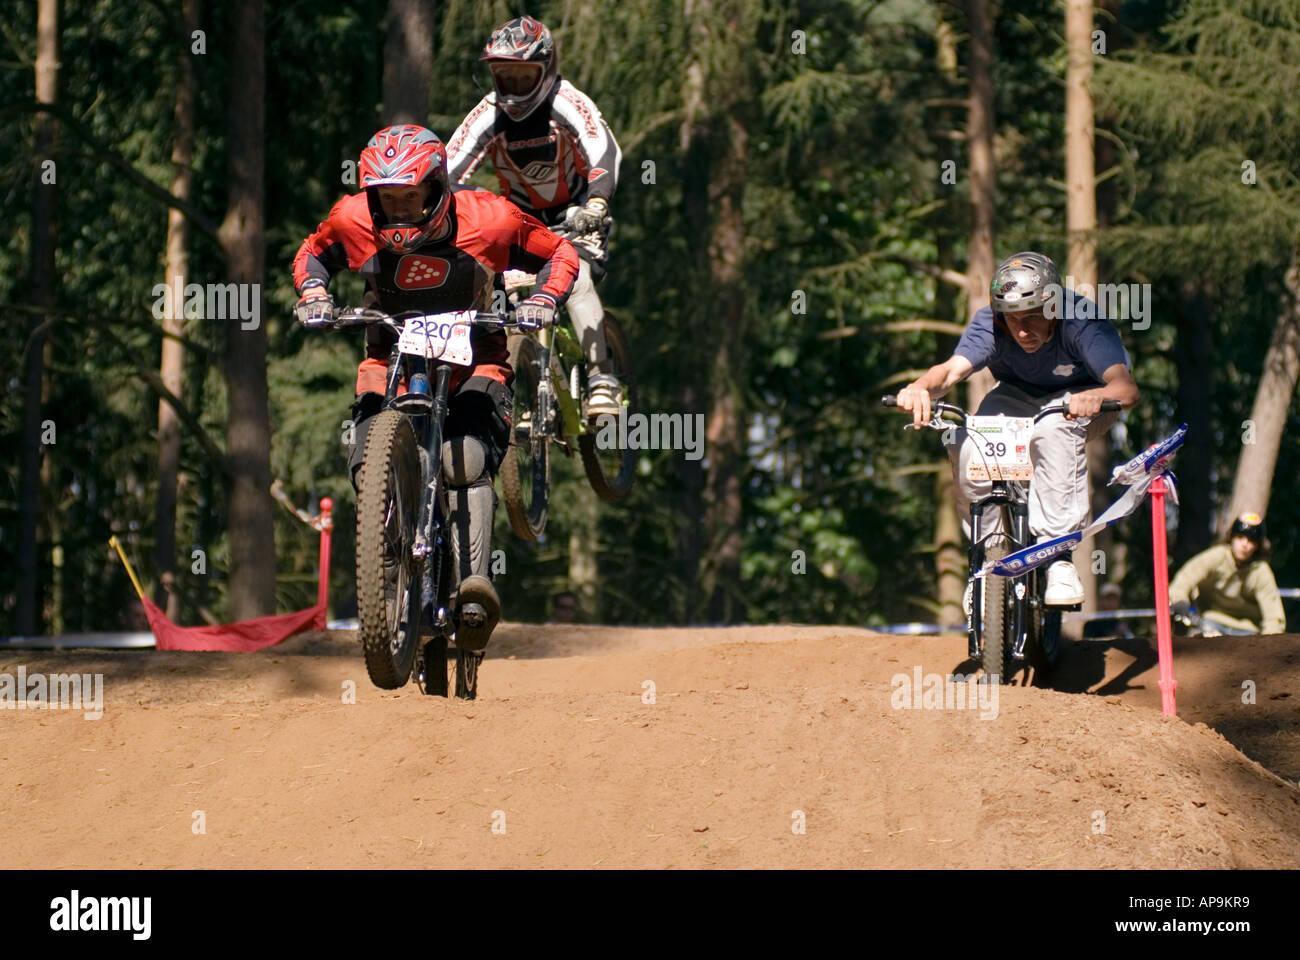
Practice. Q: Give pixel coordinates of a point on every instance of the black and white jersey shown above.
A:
(561, 154)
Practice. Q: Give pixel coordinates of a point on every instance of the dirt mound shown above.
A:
(616, 747)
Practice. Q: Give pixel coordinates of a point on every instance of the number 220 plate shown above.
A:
(440, 336)
(1001, 448)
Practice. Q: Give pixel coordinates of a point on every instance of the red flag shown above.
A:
(244, 636)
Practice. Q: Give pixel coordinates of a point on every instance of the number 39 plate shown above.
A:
(440, 336)
(1001, 448)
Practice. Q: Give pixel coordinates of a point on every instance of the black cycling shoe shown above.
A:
(478, 610)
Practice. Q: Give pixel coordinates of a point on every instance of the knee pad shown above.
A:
(465, 462)
(481, 409)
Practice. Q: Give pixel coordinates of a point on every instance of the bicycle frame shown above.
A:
(562, 344)
(559, 341)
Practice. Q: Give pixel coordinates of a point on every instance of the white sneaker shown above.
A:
(606, 396)
(1063, 586)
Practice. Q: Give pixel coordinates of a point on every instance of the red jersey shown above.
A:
(488, 235)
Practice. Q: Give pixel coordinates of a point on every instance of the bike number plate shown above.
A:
(1001, 448)
(439, 336)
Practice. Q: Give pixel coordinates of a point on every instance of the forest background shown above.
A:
(811, 199)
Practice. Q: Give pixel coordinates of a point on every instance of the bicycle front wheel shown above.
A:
(995, 636)
(388, 578)
(525, 469)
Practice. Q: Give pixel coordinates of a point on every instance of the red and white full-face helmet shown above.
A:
(406, 155)
(521, 56)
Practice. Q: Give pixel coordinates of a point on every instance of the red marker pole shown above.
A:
(326, 525)
(1164, 642)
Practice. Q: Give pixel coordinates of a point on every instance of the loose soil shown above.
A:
(605, 747)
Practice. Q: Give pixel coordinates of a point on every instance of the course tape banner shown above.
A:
(244, 636)
(1139, 473)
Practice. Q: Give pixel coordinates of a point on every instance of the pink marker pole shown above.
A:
(1164, 642)
(326, 525)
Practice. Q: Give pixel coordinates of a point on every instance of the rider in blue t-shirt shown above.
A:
(1043, 343)
(1085, 346)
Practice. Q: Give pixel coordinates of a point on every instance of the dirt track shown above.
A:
(748, 726)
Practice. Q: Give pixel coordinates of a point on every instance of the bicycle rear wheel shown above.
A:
(467, 664)
(434, 654)
(388, 577)
(611, 471)
(525, 469)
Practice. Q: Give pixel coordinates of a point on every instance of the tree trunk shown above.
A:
(979, 140)
(1081, 208)
(172, 367)
(1194, 356)
(44, 209)
(949, 558)
(1263, 432)
(1101, 455)
(714, 131)
(408, 62)
(726, 432)
(248, 435)
(584, 545)
(695, 166)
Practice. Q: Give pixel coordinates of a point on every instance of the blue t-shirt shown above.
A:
(1078, 353)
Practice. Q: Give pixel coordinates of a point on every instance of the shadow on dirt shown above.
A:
(1082, 666)
(1246, 688)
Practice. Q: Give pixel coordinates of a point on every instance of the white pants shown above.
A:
(586, 313)
(1058, 495)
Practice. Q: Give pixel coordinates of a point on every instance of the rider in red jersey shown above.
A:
(422, 244)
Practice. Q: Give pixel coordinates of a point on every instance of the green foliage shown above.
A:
(842, 189)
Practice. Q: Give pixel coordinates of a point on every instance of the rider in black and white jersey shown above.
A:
(555, 158)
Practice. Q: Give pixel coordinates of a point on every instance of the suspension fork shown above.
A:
(425, 541)
(1021, 585)
(545, 390)
(394, 373)
(973, 633)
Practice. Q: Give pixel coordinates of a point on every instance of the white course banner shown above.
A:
(1001, 448)
(440, 336)
(1139, 473)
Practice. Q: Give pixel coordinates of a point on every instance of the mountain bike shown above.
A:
(551, 374)
(403, 538)
(1010, 628)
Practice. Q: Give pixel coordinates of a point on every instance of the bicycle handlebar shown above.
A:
(939, 409)
(364, 316)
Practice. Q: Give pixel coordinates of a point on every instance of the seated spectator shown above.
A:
(564, 608)
(1231, 585)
